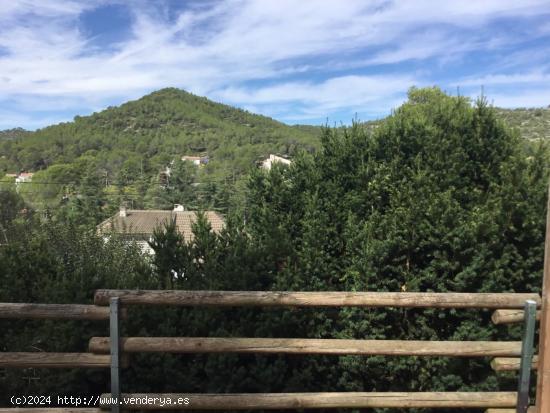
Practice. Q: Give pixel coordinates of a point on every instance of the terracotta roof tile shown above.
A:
(144, 222)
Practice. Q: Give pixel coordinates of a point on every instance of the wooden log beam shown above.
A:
(53, 311)
(510, 363)
(543, 372)
(316, 299)
(53, 360)
(49, 410)
(529, 410)
(509, 316)
(309, 346)
(270, 401)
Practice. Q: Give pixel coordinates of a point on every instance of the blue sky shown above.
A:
(304, 61)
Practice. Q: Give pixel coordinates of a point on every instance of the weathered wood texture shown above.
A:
(316, 299)
(510, 363)
(53, 311)
(309, 346)
(543, 373)
(269, 401)
(49, 410)
(53, 360)
(529, 410)
(509, 316)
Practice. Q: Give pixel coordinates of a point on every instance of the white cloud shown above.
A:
(533, 98)
(45, 8)
(314, 100)
(506, 79)
(13, 118)
(217, 50)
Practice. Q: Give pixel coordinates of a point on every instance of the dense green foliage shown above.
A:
(124, 149)
(117, 156)
(13, 133)
(49, 262)
(441, 196)
(534, 124)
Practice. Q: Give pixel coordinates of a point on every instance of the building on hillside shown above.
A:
(24, 177)
(10, 175)
(138, 225)
(197, 160)
(269, 161)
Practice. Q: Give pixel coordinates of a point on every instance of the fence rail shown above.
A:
(102, 354)
(316, 299)
(509, 308)
(54, 311)
(543, 370)
(56, 360)
(291, 401)
(51, 410)
(53, 360)
(509, 316)
(309, 346)
(511, 363)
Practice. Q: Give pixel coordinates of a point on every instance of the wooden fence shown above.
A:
(104, 351)
(109, 352)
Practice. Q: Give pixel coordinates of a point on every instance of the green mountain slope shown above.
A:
(533, 124)
(13, 133)
(118, 155)
(155, 128)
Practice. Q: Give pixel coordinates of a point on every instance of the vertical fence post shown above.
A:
(527, 342)
(114, 338)
(543, 371)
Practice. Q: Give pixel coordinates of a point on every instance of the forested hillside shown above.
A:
(122, 150)
(441, 197)
(534, 124)
(164, 123)
(117, 156)
(13, 133)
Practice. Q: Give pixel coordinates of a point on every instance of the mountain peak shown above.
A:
(13, 133)
(164, 125)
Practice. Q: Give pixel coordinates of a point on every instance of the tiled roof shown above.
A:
(144, 222)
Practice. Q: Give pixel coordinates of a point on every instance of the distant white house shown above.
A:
(196, 160)
(24, 177)
(138, 225)
(268, 162)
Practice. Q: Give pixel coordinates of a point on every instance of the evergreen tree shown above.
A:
(441, 196)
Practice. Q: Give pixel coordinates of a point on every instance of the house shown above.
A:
(268, 162)
(197, 160)
(138, 225)
(24, 177)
